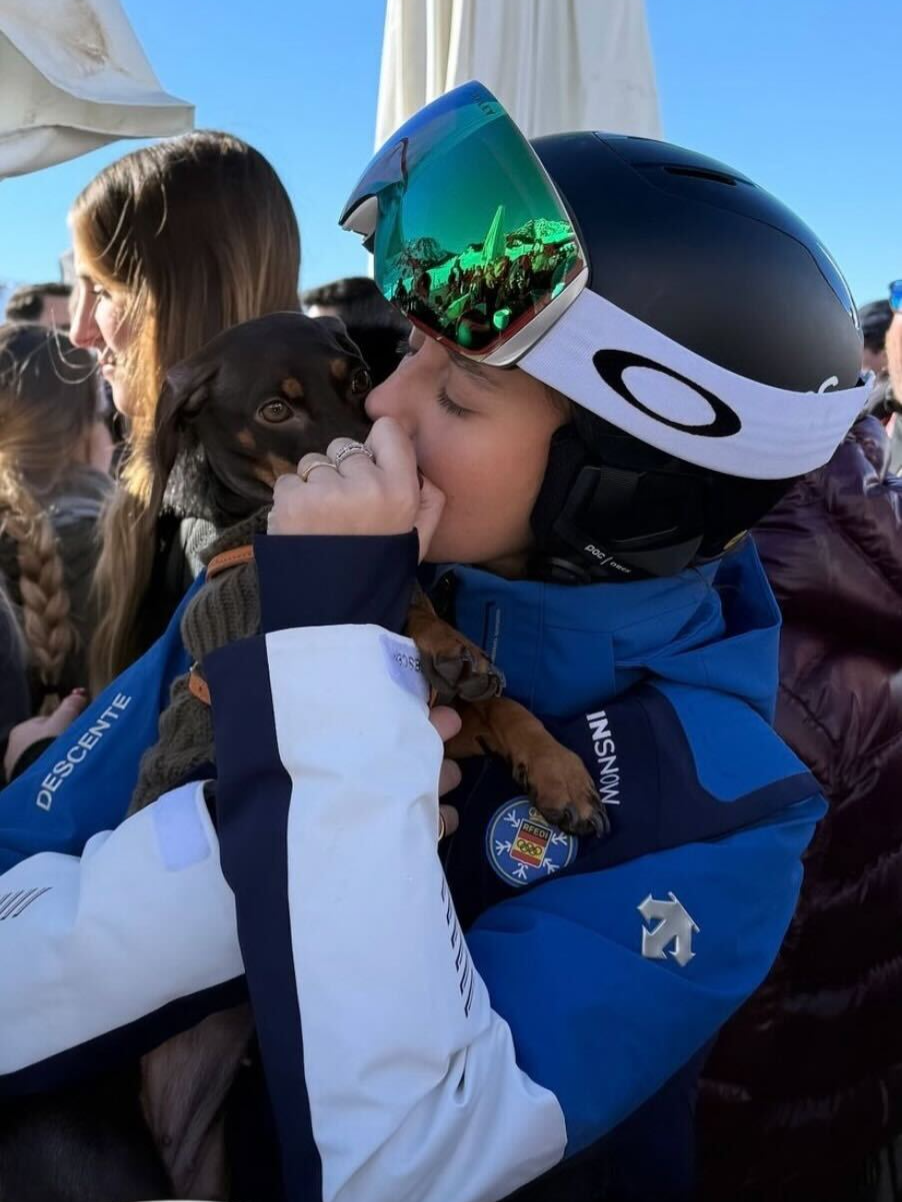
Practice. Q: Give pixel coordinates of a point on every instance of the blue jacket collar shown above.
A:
(564, 649)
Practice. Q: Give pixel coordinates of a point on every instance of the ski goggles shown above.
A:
(895, 296)
(472, 242)
(469, 237)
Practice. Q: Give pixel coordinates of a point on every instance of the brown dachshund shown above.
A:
(254, 400)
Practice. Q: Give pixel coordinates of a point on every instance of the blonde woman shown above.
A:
(173, 243)
(50, 503)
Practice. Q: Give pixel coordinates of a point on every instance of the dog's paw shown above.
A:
(462, 673)
(557, 783)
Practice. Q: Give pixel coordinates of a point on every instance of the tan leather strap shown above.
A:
(234, 558)
(198, 687)
(229, 559)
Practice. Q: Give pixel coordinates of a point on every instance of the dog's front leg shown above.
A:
(555, 779)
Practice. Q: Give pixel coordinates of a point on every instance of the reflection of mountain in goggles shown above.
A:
(470, 239)
(472, 242)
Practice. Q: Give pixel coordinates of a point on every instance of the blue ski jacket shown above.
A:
(430, 1027)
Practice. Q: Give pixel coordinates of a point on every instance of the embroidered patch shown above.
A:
(522, 846)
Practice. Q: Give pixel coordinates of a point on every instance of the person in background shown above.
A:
(875, 319)
(51, 305)
(802, 1096)
(173, 244)
(46, 304)
(372, 323)
(15, 700)
(893, 351)
(875, 322)
(50, 502)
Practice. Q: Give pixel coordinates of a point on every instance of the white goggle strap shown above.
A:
(667, 396)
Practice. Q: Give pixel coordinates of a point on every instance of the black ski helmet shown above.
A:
(701, 254)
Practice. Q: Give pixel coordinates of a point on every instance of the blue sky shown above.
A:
(798, 94)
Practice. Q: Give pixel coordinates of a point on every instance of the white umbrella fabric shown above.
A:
(554, 64)
(73, 76)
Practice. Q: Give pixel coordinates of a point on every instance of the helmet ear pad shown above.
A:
(614, 508)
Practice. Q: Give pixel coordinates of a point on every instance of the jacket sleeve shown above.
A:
(405, 1062)
(104, 955)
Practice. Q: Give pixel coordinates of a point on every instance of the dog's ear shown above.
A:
(185, 391)
(339, 331)
(332, 322)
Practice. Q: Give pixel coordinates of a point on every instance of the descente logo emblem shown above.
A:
(611, 365)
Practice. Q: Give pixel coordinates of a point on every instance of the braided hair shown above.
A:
(48, 402)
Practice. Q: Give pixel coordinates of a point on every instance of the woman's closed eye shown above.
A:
(451, 406)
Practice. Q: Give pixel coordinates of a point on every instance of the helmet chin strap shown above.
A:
(575, 519)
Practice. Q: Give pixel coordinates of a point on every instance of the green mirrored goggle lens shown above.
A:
(471, 241)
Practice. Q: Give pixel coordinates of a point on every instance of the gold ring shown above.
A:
(305, 474)
(441, 826)
(352, 448)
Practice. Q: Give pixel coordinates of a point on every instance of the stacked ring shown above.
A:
(352, 448)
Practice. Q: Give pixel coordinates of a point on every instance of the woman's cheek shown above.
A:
(439, 454)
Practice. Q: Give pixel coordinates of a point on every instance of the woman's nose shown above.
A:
(387, 400)
(83, 330)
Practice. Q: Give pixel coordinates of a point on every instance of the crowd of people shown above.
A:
(474, 302)
(776, 1076)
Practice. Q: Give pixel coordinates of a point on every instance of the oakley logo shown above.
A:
(611, 366)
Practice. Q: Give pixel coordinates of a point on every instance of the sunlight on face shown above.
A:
(98, 322)
(481, 435)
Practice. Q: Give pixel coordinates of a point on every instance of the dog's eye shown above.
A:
(361, 381)
(275, 411)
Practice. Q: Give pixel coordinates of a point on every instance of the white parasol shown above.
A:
(73, 77)
(554, 64)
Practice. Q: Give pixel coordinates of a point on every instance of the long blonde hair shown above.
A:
(199, 234)
(48, 403)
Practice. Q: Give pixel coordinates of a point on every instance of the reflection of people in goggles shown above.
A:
(502, 289)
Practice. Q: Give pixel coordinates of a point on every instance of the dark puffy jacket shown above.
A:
(804, 1086)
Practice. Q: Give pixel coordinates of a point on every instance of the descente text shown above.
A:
(80, 749)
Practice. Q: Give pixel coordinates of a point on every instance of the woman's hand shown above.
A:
(376, 493)
(33, 730)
